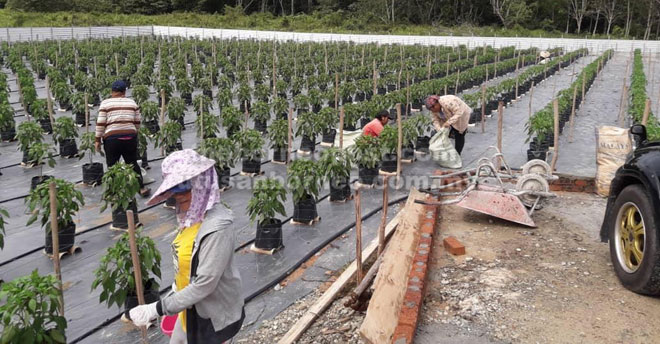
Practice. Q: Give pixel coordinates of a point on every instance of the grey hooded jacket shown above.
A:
(215, 284)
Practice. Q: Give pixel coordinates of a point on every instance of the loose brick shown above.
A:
(454, 246)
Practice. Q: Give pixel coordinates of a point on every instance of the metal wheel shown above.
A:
(537, 166)
(531, 182)
(629, 237)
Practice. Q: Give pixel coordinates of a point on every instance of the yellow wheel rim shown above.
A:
(630, 236)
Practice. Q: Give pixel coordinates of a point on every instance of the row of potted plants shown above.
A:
(638, 98)
(540, 126)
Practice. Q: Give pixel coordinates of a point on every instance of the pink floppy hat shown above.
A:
(177, 168)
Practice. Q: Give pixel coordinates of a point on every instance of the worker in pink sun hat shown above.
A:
(450, 112)
(206, 293)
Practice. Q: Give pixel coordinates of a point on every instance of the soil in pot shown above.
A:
(329, 137)
(340, 189)
(408, 152)
(66, 235)
(68, 148)
(224, 175)
(80, 119)
(305, 210)
(364, 121)
(172, 149)
(8, 135)
(152, 126)
(151, 295)
(35, 181)
(280, 154)
(531, 155)
(350, 127)
(119, 219)
(422, 144)
(367, 176)
(92, 173)
(307, 145)
(251, 166)
(261, 126)
(187, 98)
(269, 235)
(389, 163)
(46, 126)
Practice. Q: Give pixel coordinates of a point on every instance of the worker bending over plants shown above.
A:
(450, 112)
(377, 124)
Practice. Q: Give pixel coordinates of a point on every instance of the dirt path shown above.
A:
(600, 107)
(515, 119)
(553, 284)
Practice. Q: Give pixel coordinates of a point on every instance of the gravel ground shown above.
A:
(552, 284)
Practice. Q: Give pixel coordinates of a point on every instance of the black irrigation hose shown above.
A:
(276, 280)
(25, 254)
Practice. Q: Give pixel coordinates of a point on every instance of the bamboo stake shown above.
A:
(289, 135)
(358, 235)
(483, 108)
(341, 127)
(531, 97)
(87, 117)
(447, 72)
(383, 218)
(555, 153)
(56, 243)
(274, 72)
(398, 144)
(570, 121)
(162, 116)
(647, 109)
(137, 270)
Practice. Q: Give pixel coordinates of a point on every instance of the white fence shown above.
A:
(47, 33)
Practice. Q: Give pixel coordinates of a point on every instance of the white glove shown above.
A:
(143, 315)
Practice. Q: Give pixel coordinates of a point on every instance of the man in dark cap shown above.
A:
(117, 126)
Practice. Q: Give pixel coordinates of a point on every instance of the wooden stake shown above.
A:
(247, 114)
(289, 135)
(398, 144)
(49, 102)
(622, 117)
(116, 65)
(87, 117)
(500, 124)
(584, 85)
(407, 93)
(531, 97)
(341, 127)
(383, 218)
(137, 270)
(374, 76)
(555, 153)
(483, 108)
(647, 109)
(570, 121)
(56, 243)
(162, 116)
(358, 235)
(201, 118)
(623, 97)
(336, 91)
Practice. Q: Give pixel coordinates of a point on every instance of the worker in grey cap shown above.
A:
(117, 127)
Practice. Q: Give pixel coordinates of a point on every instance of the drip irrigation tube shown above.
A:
(269, 285)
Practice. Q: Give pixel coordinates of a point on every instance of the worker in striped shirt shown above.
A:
(117, 126)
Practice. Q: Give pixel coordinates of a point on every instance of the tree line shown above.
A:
(620, 18)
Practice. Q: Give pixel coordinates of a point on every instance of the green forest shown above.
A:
(639, 19)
